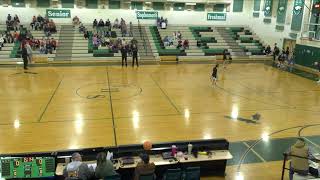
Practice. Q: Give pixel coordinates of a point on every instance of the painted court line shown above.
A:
(312, 142)
(171, 102)
(111, 106)
(261, 158)
(54, 92)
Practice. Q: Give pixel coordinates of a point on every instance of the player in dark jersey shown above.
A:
(214, 74)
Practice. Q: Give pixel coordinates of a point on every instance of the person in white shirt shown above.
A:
(1, 41)
(29, 52)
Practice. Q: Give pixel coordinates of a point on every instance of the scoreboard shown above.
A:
(27, 167)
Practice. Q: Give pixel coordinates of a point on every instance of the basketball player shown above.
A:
(24, 56)
(134, 55)
(224, 58)
(124, 55)
(215, 74)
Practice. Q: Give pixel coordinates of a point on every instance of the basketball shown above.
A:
(147, 145)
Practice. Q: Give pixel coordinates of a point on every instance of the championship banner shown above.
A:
(281, 11)
(297, 15)
(268, 8)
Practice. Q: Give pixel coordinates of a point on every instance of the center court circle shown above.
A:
(102, 90)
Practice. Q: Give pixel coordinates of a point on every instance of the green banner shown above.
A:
(281, 11)
(147, 14)
(58, 13)
(256, 5)
(267, 8)
(216, 16)
(297, 15)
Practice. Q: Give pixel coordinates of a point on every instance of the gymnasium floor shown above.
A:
(58, 108)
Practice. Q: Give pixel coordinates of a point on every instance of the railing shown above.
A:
(285, 158)
(142, 37)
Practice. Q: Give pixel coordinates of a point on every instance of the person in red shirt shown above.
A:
(53, 43)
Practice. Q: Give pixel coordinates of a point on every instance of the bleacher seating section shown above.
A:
(205, 43)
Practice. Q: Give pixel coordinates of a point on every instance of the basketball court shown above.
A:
(60, 108)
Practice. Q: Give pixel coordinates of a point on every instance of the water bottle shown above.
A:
(173, 150)
(189, 149)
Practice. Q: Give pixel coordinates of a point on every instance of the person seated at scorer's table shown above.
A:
(104, 166)
(144, 167)
(300, 164)
(76, 169)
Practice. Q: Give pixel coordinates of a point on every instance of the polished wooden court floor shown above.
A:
(59, 108)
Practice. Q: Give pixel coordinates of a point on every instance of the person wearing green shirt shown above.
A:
(104, 166)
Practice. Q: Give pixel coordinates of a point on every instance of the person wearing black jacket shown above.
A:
(25, 57)
(134, 50)
(124, 55)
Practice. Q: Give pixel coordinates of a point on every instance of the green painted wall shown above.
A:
(179, 6)
(92, 4)
(281, 11)
(137, 5)
(43, 3)
(297, 15)
(199, 7)
(237, 5)
(218, 7)
(306, 55)
(18, 3)
(67, 3)
(114, 4)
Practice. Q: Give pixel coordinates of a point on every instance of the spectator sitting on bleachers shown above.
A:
(101, 23)
(16, 22)
(108, 28)
(75, 21)
(86, 34)
(77, 170)
(53, 43)
(15, 36)
(116, 24)
(29, 35)
(95, 23)
(95, 40)
(108, 41)
(166, 41)
(179, 44)
(82, 29)
(162, 23)
(134, 41)
(42, 49)
(48, 47)
(33, 22)
(9, 17)
(1, 41)
(268, 50)
(12, 24)
(9, 37)
(179, 35)
(186, 44)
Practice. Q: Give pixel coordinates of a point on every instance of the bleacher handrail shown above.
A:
(285, 158)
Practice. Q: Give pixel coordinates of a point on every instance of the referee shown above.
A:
(134, 50)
